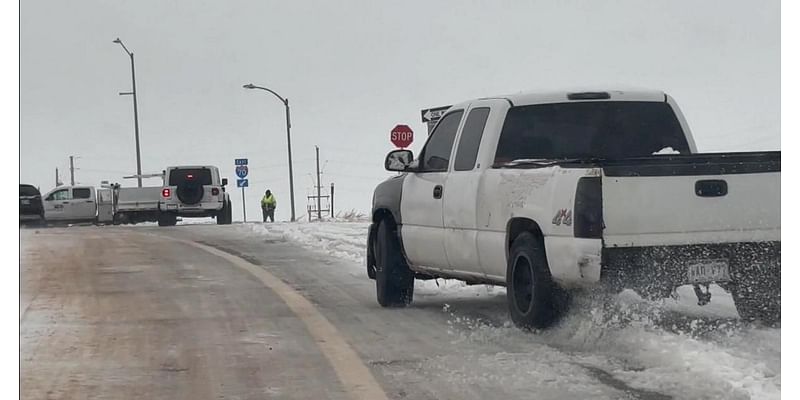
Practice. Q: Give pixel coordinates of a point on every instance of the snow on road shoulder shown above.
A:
(347, 240)
(343, 240)
(646, 345)
(671, 346)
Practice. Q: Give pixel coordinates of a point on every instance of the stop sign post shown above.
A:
(402, 136)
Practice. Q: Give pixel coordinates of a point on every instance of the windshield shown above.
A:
(608, 129)
(201, 176)
(28, 190)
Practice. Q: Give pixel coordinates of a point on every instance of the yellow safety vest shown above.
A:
(269, 201)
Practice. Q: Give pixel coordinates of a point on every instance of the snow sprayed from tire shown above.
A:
(650, 349)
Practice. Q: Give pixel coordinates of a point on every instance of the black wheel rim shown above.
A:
(523, 284)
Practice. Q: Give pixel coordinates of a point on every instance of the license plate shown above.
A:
(704, 271)
(26, 202)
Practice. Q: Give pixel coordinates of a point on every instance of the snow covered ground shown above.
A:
(671, 346)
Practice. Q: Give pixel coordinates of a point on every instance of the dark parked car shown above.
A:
(30, 204)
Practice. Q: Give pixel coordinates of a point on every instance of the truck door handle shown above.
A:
(64, 202)
(89, 201)
(437, 192)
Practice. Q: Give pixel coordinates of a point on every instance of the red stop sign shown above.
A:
(402, 136)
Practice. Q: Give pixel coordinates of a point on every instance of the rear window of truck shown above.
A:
(201, 176)
(81, 193)
(602, 129)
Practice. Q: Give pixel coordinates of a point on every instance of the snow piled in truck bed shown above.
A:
(669, 348)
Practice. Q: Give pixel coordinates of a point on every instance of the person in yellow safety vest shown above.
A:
(268, 205)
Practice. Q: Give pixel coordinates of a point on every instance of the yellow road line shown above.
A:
(355, 377)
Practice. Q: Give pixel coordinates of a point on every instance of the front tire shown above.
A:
(394, 281)
(534, 300)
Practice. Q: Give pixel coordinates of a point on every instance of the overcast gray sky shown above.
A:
(352, 70)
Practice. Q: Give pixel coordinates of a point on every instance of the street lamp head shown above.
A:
(117, 41)
(249, 86)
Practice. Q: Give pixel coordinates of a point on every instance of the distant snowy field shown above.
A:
(670, 346)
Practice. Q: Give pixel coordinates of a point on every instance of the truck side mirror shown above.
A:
(398, 160)
(224, 181)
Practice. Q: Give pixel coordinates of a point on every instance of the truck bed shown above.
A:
(138, 199)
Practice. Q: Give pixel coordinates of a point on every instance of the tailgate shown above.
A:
(696, 199)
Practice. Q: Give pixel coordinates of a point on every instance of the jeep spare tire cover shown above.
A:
(190, 192)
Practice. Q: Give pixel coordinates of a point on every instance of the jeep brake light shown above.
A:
(214, 191)
(189, 177)
(166, 192)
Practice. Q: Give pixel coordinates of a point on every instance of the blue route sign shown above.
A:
(240, 161)
(241, 171)
(242, 183)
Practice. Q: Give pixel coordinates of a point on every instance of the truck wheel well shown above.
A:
(519, 225)
(383, 214)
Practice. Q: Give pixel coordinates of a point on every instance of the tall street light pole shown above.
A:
(288, 139)
(135, 113)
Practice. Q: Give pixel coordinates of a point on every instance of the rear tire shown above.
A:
(394, 281)
(534, 300)
(756, 291)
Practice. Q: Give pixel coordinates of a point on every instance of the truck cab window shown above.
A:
(607, 129)
(81, 193)
(436, 154)
(62, 194)
(471, 139)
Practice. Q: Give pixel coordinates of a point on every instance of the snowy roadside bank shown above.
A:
(347, 240)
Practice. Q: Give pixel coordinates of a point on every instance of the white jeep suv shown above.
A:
(193, 191)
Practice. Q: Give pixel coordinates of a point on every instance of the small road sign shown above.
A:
(242, 183)
(241, 171)
(432, 115)
(402, 136)
(240, 161)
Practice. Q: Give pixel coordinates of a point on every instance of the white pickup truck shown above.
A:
(77, 204)
(105, 205)
(547, 192)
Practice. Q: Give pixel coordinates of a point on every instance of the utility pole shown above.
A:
(319, 189)
(72, 170)
(57, 180)
(332, 200)
(135, 112)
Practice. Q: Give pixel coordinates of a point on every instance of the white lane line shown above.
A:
(354, 376)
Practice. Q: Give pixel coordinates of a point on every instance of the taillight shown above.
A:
(214, 191)
(588, 218)
(165, 192)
